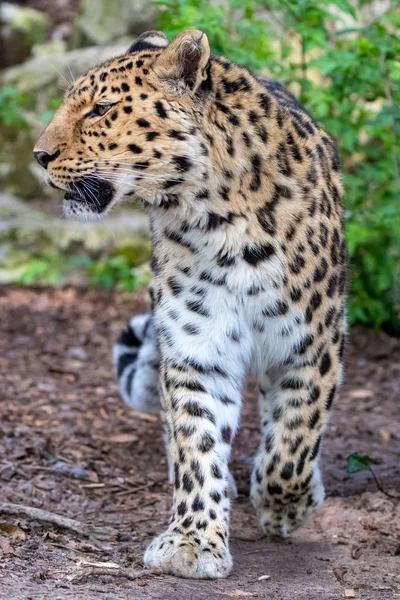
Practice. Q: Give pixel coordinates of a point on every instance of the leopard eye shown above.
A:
(99, 110)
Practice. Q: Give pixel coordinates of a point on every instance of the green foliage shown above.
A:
(112, 272)
(349, 80)
(42, 270)
(52, 105)
(233, 27)
(11, 103)
(357, 463)
(120, 271)
(14, 104)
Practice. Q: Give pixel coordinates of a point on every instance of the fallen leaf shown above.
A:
(264, 578)
(356, 552)
(119, 438)
(237, 594)
(349, 593)
(12, 531)
(339, 573)
(385, 435)
(360, 393)
(369, 526)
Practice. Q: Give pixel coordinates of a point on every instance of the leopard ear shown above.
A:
(150, 40)
(182, 66)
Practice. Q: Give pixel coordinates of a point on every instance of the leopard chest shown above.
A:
(207, 296)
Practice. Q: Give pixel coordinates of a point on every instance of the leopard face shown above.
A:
(128, 127)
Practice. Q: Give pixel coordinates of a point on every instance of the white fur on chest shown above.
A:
(237, 306)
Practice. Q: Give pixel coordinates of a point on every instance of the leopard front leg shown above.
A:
(201, 425)
(202, 402)
(286, 482)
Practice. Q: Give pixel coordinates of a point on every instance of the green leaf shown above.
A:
(346, 7)
(357, 463)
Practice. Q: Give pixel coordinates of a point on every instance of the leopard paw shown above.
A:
(280, 515)
(191, 557)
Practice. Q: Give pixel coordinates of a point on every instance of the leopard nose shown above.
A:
(44, 158)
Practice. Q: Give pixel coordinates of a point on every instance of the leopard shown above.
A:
(249, 268)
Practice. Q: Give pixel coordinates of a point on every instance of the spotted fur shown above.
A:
(243, 192)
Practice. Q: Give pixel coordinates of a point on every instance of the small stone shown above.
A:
(102, 21)
(45, 484)
(77, 354)
(22, 27)
(7, 473)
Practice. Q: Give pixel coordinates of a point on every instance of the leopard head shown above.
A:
(130, 127)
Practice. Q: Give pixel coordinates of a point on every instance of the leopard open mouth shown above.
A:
(93, 194)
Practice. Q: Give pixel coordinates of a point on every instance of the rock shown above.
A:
(7, 473)
(51, 69)
(26, 233)
(102, 21)
(77, 354)
(74, 472)
(21, 29)
(45, 484)
(16, 175)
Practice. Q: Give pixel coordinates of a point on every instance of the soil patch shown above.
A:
(69, 446)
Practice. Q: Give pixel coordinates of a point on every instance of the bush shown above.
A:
(125, 270)
(349, 80)
(10, 107)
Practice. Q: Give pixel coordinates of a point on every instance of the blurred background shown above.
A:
(341, 58)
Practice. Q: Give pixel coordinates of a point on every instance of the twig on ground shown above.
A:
(87, 572)
(145, 416)
(133, 490)
(30, 512)
(380, 486)
(248, 538)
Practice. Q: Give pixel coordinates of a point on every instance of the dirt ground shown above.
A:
(70, 447)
